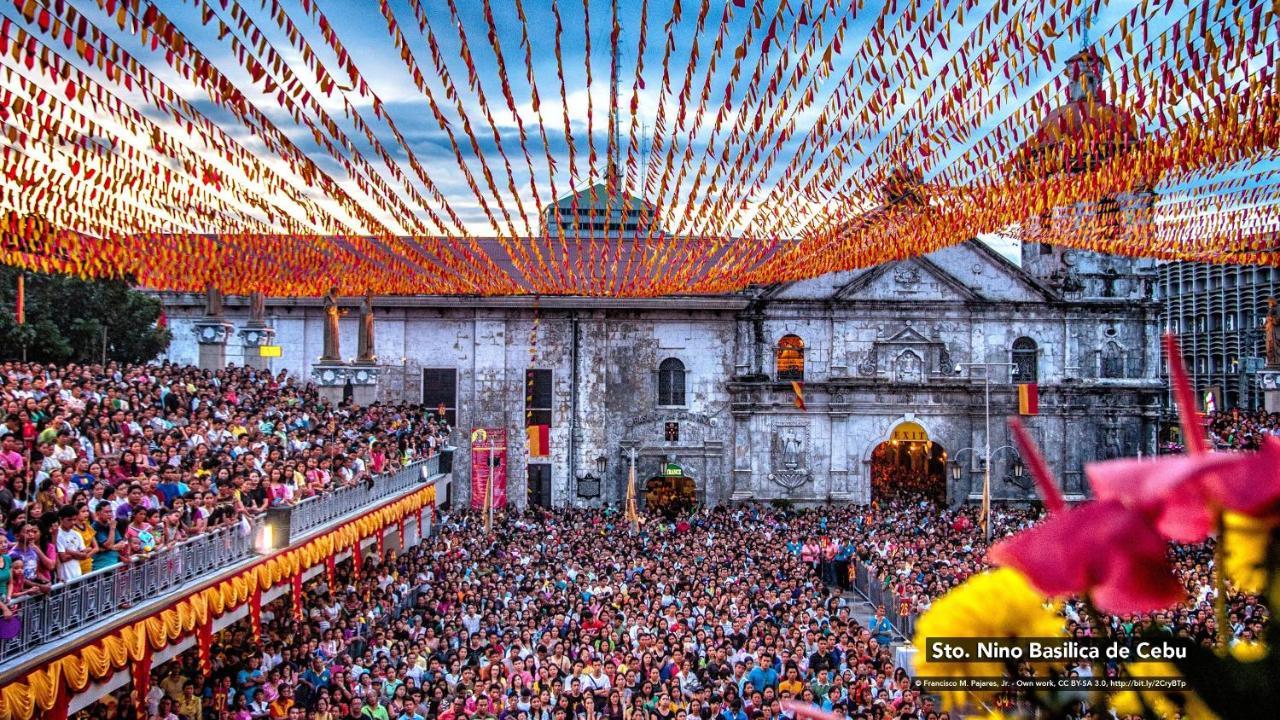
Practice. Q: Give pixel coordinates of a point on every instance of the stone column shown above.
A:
(592, 440)
(256, 333)
(742, 456)
(838, 488)
(212, 335)
(212, 332)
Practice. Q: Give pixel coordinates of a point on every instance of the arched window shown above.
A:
(671, 382)
(789, 362)
(1026, 361)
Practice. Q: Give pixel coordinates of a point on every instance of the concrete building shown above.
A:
(1218, 313)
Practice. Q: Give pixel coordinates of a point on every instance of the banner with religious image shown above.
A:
(488, 445)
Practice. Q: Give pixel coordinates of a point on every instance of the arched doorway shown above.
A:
(909, 466)
(671, 493)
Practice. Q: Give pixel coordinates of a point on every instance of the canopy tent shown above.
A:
(635, 147)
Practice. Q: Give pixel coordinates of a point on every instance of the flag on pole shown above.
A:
(1028, 399)
(633, 517)
(798, 388)
(986, 510)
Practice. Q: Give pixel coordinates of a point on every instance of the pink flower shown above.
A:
(1183, 494)
(1102, 548)
(1114, 548)
(1166, 490)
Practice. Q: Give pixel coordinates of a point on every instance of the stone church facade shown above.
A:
(707, 382)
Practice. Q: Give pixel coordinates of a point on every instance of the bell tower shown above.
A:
(1085, 131)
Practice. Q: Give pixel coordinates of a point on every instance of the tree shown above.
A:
(67, 317)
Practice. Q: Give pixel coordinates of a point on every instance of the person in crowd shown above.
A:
(196, 450)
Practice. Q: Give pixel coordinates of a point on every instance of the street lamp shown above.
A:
(602, 464)
(986, 455)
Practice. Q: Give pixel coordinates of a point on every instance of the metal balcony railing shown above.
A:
(322, 509)
(71, 607)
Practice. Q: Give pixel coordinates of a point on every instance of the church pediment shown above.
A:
(969, 271)
(917, 279)
(988, 273)
(907, 335)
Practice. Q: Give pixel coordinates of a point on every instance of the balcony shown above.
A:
(100, 599)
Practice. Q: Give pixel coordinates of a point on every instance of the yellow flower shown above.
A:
(1244, 546)
(1249, 651)
(995, 604)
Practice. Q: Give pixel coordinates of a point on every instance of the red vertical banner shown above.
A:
(330, 573)
(20, 306)
(295, 596)
(60, 705)
(142, 681)
(379, 541)
(255, 614)
(204, 647)
(403, 526)
(356, 560)
(488, 444)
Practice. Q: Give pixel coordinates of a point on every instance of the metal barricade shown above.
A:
(867, 582)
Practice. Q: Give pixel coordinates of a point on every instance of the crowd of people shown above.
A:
(917, 550)
(103, 465)
(725, 613)
(564, 615)
(1240, 429)
(559, 615)
(1233, 429)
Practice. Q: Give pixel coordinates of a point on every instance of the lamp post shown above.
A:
(986, 455)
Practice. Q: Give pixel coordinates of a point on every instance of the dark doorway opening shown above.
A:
(540, 485)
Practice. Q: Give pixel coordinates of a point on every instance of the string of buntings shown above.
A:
(220, 145)
(131, 646)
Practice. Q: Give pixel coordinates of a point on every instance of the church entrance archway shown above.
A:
(909, 466)
(671, 493)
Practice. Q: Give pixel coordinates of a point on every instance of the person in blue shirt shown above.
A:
(843, 555)
(249, 680)
(316, 676)
(763, 675)
(881, 629)
(734, 711)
